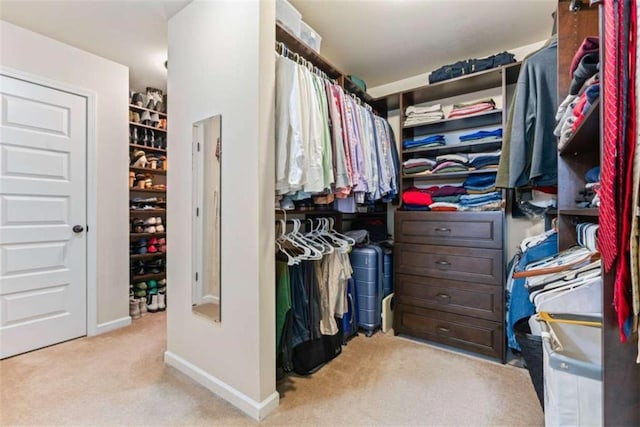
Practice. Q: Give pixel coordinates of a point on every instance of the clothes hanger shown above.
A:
(348, 239)
(327, 248)
(316, 249)
(558, 268)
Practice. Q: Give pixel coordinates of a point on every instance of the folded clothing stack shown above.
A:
(583, 91)
(488, 160)
(473, 107)
(419, 115)
(481, 183)
(426, 142)
(447, 163)
(589, 197)
(416, 199)
(418, 166)
(482, 136)
(436, 198)
(482, 202)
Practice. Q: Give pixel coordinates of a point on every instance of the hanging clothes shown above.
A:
(327, 141)
(523, 123)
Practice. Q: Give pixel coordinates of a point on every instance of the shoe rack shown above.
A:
(147, 201)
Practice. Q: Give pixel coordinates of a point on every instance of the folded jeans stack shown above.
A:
(480, 183)
(487, 160)
(488, 201)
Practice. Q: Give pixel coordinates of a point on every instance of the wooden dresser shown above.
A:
(449, 279)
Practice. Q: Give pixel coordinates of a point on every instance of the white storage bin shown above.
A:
(288, 16)
(310, 36)
(572, 374)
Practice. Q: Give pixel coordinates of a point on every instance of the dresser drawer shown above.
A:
(468, 333)
(447, 262)
(469, 299)
(469, 229)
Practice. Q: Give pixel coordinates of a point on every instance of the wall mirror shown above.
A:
(207, 153)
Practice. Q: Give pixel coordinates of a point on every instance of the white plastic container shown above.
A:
(572, 374)
(289, 16)
(310, 36)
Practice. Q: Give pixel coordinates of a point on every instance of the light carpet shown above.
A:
(119, 378)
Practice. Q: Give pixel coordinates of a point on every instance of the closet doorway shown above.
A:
(43, 216)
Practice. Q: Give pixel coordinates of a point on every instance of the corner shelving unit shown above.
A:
(158, 176)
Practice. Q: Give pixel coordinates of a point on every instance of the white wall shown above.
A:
(221, 61)
(35, 54)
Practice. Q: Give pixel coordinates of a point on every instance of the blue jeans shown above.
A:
(519, 304)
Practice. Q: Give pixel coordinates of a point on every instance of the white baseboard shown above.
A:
(256, 410)
(210, 299)
(112, 325)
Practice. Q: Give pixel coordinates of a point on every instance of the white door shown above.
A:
(43, 134)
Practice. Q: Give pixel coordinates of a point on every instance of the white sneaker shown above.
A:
(142, 302)
(162, 306)
(134, 308)
(153, 306)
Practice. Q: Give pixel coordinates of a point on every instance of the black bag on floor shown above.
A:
(309, 356)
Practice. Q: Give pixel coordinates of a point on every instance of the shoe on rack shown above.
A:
(150, 229)
(159, 228)
(140, 286)
(162, 306)
(152, 303)
(140, 293)
(137, 99)
(140, 159)
(135, 117)
(152, 249)
(151, 104)
(153, 284)
(145, 119)
(134, 136)
(161, 241)
(142, 250)
(134, 308)
(155, 120)
(142, 302)
(162, 283)
(132, 179)
(150, 221)
(153, 162)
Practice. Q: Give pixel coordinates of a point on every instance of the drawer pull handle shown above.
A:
(443, 229)
(444, 298)
(443, 329)
(443, 263)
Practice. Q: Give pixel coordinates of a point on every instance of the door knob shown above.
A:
(78, 229)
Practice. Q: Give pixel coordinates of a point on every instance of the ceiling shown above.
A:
(380, 41)
(385, 41)
(130, 32)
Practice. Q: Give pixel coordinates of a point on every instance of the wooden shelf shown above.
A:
(145, 235)
(484, 114)
(143, 277)
(136, 257)
(594, 212)
(587, 136)
(148, 127)
(308, 212)
(144, 147)
(472, 147)
(147, 211)
(148, 170)
(461, 174)
(475, 82)
(145, 190)
(135, 107)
